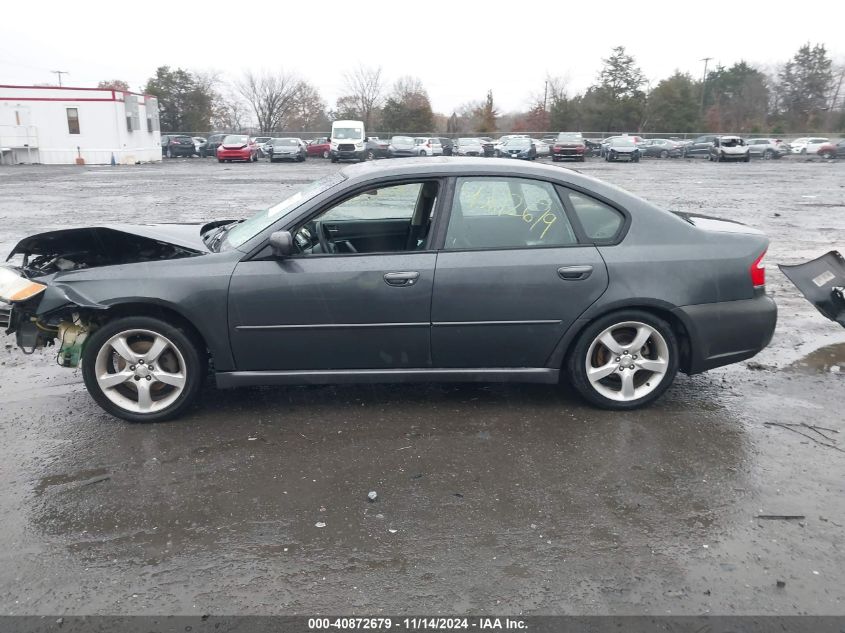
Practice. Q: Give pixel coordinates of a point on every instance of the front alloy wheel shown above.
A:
(625, 360)
(142, 369)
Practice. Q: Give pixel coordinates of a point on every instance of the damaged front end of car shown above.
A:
(38, 301)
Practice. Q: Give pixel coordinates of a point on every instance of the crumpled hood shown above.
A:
(184, 235)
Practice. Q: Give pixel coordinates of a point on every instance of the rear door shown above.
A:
(511, 277)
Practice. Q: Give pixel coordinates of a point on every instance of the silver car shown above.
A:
(402, 146)
(468, 147)
(767, 148)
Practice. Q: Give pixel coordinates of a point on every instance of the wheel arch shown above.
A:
(162, 311)
(680, 326)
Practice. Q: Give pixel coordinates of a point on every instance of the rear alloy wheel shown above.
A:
(624, 360)
(664, 154)
(142, 369)
(371, 155)
(768, 154)
(326, 154)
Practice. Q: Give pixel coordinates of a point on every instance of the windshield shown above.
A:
(251, 227)
(622, 142)
(467, 141)
(348, 133)
(569, 136)
(518, 142)
(235, 139)
(283, 141)
(402, 140)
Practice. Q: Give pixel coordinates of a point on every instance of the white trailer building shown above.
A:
(59, 126)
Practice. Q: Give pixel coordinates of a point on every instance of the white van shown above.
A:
(348, 141)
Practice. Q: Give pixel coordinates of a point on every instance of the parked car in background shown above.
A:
(569, 145)
(467, 146)
(402, 146)
(173, 145)
(199, 141)
(622, 147)
(488, 145)
(237, 147)
(543, 148)
(448, 145)
(606, 142)
(832, 150)
(661, 148)
(261, 141)
(808, 145)
(285, 149)
(319, 147)
(428, 146)
(518, 147)
(377, 148)
(209, 148)
(700, 146)
(483, 271)
(767, 148)
(729, 148)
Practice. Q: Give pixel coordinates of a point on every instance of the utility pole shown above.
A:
(59, 74)
(545, 94)
(703, 84)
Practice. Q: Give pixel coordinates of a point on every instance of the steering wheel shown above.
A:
(325, 245)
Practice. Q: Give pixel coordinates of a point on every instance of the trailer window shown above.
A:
(73, 121)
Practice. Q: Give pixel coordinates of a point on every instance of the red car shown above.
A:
(319, 147)
(568, 145)
(237, 147)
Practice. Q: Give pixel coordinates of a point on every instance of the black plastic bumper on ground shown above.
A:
(727, 332)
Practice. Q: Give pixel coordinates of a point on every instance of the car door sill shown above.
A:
(336, 376)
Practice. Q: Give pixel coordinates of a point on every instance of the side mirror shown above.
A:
(281, 243)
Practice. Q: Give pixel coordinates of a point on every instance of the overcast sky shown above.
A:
(458, 48)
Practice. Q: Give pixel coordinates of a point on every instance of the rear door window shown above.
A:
(492, 212)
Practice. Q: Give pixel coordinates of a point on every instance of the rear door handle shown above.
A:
(574, 273)
(401, 279)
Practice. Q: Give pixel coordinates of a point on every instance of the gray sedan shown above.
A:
(437, 269)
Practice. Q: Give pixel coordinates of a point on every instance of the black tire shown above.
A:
(334, 160)
(169, 153)
(371, 155)
(664, 154)
(191, 349)
(326, 154)
(768, 154)
(747, 158)
(581, 159)
(576, 362)
(219, 160)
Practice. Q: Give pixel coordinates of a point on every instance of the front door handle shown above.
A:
(401, 279)
(574, 273)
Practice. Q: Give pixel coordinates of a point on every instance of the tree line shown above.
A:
(804, 94)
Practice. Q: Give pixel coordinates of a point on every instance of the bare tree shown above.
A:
(365, 90)
(230, 113)
(272, 97)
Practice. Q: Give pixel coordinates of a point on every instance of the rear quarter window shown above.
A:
(600, 221)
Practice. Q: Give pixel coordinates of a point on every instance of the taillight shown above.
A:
(758, 271)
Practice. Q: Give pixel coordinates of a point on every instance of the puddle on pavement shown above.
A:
(822, 360)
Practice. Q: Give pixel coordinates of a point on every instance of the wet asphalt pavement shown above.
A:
(512, 499)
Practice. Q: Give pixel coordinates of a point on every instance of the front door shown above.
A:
(357, 295)
(512, 276)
